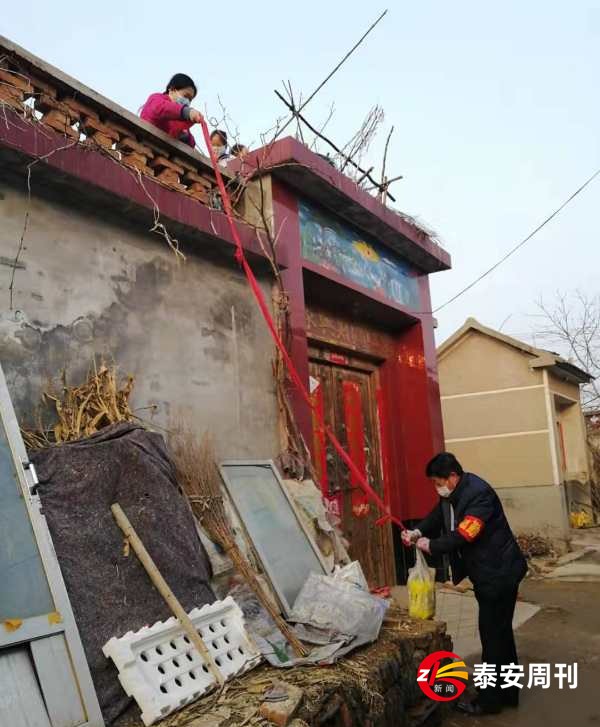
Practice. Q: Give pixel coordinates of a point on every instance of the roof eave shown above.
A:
(308, 173)
(569, 372)
(472, 324)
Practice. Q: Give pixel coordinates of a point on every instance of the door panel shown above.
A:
(21, 704)
(348, 400)
(44, 677)
(356, 442)
(59, 686)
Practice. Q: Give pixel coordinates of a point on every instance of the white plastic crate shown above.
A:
(161, 669)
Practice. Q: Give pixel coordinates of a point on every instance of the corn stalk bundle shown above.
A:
(83, 410)
(200, 480)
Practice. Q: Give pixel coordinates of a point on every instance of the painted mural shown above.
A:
(337, 247)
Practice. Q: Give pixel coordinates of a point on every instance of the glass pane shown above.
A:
(282, 545)
(24, 589)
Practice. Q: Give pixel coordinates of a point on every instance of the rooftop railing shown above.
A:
(44, 94)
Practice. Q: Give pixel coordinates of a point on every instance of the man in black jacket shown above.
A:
(469, 525)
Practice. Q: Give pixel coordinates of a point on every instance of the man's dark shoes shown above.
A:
(476, 709)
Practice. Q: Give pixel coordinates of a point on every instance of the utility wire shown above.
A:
(520, 244)
(324, 81)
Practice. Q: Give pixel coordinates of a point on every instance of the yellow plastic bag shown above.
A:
(421, 589)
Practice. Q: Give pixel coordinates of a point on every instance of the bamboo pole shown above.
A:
(164, 590)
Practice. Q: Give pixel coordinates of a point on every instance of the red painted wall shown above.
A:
(413, 424)
(408, 401)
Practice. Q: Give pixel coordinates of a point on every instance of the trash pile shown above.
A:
(185, 574)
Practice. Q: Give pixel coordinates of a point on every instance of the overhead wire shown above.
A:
(329, 75)
(518, 245)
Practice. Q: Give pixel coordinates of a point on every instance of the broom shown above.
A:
(200, 480)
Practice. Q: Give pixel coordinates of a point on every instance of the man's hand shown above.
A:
(195, 116)
(410, 537)
(423, 544)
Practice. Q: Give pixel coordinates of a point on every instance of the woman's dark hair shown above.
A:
(221, 134)
(443, 465)
(179, 81)
(237, 149)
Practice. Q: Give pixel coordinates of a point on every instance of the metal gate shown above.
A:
(44, 676)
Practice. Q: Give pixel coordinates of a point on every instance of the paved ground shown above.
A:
(566, 629)
(460, 612)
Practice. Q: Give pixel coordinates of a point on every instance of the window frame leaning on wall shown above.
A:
(261, 552)
(50, 640)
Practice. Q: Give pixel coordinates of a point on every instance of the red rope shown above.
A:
(292, 372)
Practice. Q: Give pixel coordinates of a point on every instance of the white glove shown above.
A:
(410, 537)
(423, 544)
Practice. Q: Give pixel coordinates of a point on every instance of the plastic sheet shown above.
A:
(353, 574)
(329, 602)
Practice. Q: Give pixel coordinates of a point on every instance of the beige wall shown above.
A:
(256, 204)
(559, 386)
(536, 509)
(567, 411)
(502, 412)
(500, 419)
(480, 363)
(495, 412)
(571, 420)
(507, 461)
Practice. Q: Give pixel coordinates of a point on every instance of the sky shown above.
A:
(495, 108)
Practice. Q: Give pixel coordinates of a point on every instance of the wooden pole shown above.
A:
(164, 590)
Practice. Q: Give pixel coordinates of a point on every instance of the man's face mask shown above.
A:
(441, 486)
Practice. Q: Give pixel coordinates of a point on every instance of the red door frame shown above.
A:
(410, 411)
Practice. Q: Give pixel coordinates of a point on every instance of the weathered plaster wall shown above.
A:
(189, 332)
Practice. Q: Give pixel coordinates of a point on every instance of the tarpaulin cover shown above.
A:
(109, 591)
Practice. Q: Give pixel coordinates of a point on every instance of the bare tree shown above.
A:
(359, 144)
(571, 323)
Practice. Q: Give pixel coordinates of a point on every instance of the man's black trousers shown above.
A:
(497, 644)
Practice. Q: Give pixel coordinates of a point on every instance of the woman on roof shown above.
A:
(171, 111)
(218, 141)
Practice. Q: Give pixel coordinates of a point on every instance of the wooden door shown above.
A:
(347, 398)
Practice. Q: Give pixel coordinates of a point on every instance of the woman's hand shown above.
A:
(195, 116)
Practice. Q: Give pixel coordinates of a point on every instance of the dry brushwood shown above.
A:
(83, 410)
(534, 545)
(200, 480)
